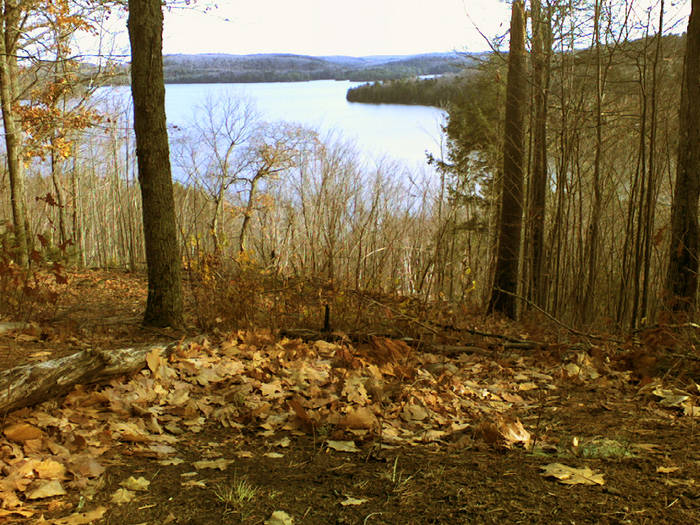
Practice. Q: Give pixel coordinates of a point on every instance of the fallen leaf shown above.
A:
(81, 518)
(21, 432)
(9, 499)
(194, 483)
(671, 398)
(132, 483)
(274, 455)
(676, 482)
(46, 489)
(4, 513)
(349, 500)
(525, 387)
(689, 409)
(571, 475)
(87, 466)
(414, 412)
(360, 418)
(667, 470)
(171, 461)
(221, 463)
(122, 496)
(342, 446)
(279, 518)
(283, 443)
(50, 469)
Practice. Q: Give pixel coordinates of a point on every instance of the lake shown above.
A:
(397, 132)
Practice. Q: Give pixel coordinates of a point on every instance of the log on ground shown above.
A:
(34, 383)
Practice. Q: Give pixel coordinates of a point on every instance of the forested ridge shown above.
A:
(289, 333)
(280, 67)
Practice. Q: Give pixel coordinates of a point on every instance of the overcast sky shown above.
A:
(342, 27)
(335, 27)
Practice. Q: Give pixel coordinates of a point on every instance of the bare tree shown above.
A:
(214, 154)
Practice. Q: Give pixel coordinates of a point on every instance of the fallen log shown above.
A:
(34, 383)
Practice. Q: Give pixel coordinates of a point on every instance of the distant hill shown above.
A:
(221, 68)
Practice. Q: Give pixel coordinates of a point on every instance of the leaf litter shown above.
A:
(383, 392)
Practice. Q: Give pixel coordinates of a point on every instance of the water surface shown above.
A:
(396, 132)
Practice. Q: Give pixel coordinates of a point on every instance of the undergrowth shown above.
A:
(227, 293)
(28, 294)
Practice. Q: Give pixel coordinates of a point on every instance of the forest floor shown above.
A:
(249, 426)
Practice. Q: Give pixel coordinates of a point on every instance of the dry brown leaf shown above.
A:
(122, 496)
(221, 464)
(137, 484)
(667, 470)
(296, 404)
(571, 475)
(50, 469)
(414, 412)
(86, 465)
(21, 432)
(45, 489)
(359, 418)
(24, 513)
(9, 499)
(279, 518)
(82, 518)
(342, 446)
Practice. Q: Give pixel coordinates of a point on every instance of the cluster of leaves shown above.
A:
(48, 123)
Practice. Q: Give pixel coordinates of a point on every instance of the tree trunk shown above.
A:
(164, 306)
(13, 129)
(508, 250)
(592, 234)
(541, 52)
(248, 213)
(682, 280)
(56, 178)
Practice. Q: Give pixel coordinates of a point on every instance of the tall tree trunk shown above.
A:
(541, 53)
(508, 251)
(13, 129)
(682, 279)
(164, 306)
(592, 234)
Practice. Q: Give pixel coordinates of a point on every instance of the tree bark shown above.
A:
(541, 53)
(164, 306)
(682, 279)
(508, 250)
(34, 383)
(13, 129)
(593, 232)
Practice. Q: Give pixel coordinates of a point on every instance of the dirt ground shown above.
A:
(645, 445)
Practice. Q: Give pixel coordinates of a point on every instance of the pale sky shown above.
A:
(334, 27)
(341, 27)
